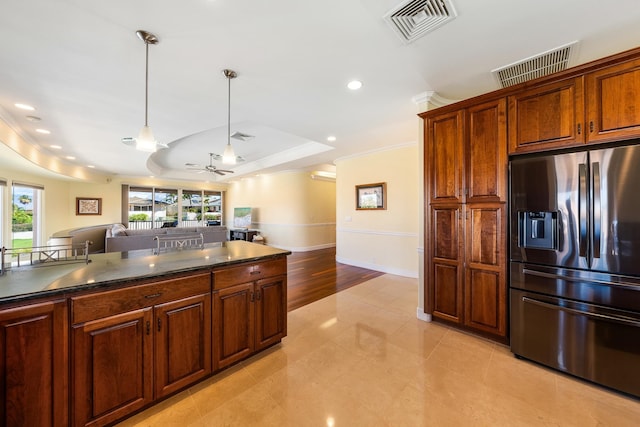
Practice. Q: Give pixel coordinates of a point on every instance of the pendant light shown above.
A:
(229, 157)
(146, 141)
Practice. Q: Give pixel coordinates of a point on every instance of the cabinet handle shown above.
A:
(258, 295)
(153, 295)
(159, 324)
(591, 126)
(579, 128)
(252, 297)
(148, 327)
(255, 272)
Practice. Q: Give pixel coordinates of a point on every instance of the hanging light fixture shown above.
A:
(229, 157)
(146, 141)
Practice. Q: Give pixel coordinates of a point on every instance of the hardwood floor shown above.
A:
(316, 274)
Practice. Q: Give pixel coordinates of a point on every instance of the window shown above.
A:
(140, 211)
(191, 207)
(26, 215)
(212, 205)
(164, 207)
(3, 186)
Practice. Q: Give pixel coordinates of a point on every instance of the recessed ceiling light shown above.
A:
(43, 131)
(91, 166)
(70, 158)
(25, 107)
(33, 118)
(56, 147)
(331, 138)
(354, 84)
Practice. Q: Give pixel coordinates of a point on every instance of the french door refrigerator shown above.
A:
(575, 263)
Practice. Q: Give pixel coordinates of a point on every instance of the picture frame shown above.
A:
(371, 196)
(88, 206)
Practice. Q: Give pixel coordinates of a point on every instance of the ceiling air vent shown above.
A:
(543, 64)
(414, 18)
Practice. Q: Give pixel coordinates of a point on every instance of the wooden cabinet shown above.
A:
(112, 366)
(465, 232)
(133, 345)
(445, 134)
(613, 102)
(446, 264)
(547, 116)
(598, 106)
(34, 365)
(250, 310)
(486, 152)
(182, 343)
(485, 288)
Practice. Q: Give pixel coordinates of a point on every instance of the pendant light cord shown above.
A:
(146, 84)
(229, 112)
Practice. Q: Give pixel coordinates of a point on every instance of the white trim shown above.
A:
(377, 267)
(274, 224)
(421, 315)
(305, 248)
(433, 98)
(377, 232)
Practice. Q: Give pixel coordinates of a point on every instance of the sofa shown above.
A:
(117, 238)
(95, 234)
(120, 239)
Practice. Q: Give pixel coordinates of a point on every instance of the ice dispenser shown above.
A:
(537, 230)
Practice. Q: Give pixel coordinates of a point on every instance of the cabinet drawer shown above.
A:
(102, 304)
(248, 273)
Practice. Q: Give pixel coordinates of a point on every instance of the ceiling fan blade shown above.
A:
(219, 172)
(223, 170)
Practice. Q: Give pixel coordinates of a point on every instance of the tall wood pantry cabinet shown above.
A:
(466, 193)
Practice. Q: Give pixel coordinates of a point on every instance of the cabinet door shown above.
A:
(271, 311)
(613, 102)
(547, 116)
(233, 324)
(34, 365)
(486, 152)
(183, 343)
(485, 268)
(112, 367)
(443, 157)
(445, 270)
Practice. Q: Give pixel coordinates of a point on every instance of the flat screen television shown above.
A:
(241, 217)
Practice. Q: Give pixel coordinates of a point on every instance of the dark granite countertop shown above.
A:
(25, 283)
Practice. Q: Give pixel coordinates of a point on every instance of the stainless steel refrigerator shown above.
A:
(575, 263)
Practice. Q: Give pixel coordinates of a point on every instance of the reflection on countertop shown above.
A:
(104, 269)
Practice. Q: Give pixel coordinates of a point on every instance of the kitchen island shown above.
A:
(91, 343)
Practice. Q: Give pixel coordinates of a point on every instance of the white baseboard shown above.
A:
(421, 315)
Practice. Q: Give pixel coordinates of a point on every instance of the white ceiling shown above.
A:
(80, 63)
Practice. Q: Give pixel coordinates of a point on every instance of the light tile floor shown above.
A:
(361, 358)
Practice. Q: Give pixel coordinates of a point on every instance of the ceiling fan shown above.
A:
(208, 168)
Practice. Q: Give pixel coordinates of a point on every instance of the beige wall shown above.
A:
(382, 240)
(60, 195)
(291, 210)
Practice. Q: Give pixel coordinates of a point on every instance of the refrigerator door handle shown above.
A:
(597, 316)
(597, 209)
(582, 208)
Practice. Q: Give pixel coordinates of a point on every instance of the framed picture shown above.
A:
(88, 206)
(371, 196)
